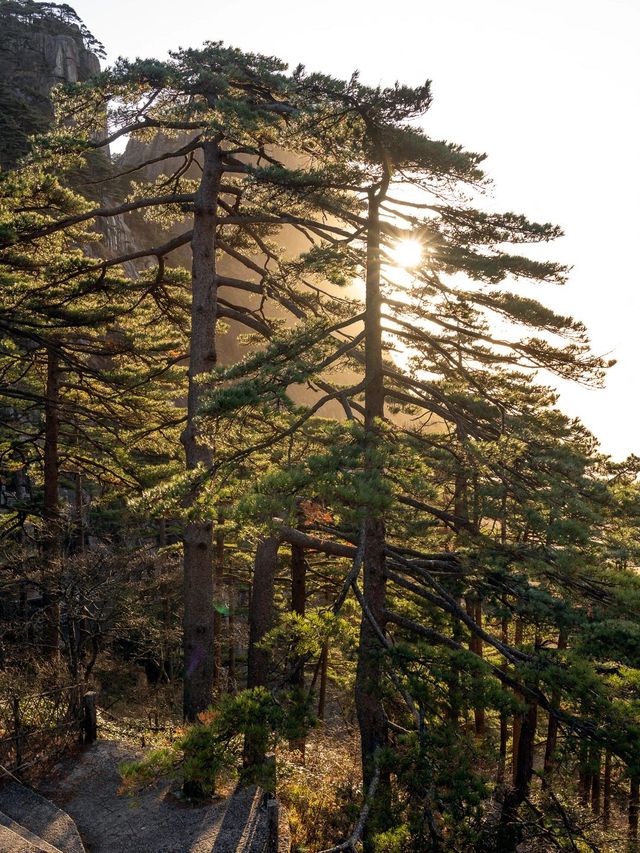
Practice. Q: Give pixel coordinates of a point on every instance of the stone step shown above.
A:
(11, 842)
(41, 817)
(8, 823)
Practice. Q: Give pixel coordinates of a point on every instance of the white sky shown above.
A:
(550, 90)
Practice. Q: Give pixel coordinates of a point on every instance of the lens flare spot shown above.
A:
(407, 253)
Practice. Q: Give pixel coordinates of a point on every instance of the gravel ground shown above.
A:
(153, 822)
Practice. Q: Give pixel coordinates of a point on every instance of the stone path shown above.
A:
(155, 821)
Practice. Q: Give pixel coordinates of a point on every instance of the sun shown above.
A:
(407, 253)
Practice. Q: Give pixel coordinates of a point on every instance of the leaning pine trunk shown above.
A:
(197, 538)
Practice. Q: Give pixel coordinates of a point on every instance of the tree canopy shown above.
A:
(246, 446)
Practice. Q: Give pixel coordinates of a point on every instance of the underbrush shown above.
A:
(204, 753)
(323, 796)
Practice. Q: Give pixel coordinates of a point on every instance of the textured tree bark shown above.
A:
(217, 616)
(197, 536)
(261, 609)
(322, 691)
(509, 834)
(260, 621)
(606, 793)
(231, 640)
(524, 765)
(79, 509)
(517, 720)
(298, 580)
(52, 427)
(595, 781)
(552, 728)
(474, 610)
(51, 513)
(504, 727)
(298, 603)
(454, 687)
(371, 716)
(584, 775)
(634, 802)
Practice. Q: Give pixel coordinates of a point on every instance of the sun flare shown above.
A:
(407, 253)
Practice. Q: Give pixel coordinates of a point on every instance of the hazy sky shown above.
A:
(550, 89)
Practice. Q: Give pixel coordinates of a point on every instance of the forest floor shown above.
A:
(88, 787)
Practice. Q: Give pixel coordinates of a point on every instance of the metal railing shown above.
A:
(38, 728)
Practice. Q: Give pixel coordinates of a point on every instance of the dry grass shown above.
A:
(323, 795)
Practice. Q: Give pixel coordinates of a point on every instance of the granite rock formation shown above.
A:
(40, 46)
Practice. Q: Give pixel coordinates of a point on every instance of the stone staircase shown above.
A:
(87, 786)
(29, 823)
(155, 820)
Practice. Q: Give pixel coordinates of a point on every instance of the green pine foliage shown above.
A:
(508, 639)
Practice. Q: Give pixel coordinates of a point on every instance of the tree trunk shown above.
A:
(474, 610)
(217, 615)
(595, 782)
(584, 775)
(261, 610)
(634, 799)
(504, 727)
(197, 537)
(79, 509)
(298, 603)
(526, 745)
(298, 580)
(454, 687)
(509, 834)
(371, 716)
(517, 720)
(322, 691)
(606, 804)
(51, 462)
(552, 728)
(232, 679)
(51, 514)
(372, 720)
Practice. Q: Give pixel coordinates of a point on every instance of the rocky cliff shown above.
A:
(41, 45)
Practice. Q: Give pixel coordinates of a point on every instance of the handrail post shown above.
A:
(89, 717)
(17, 728)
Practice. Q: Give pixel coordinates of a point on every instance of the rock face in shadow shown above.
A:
(38, 50)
